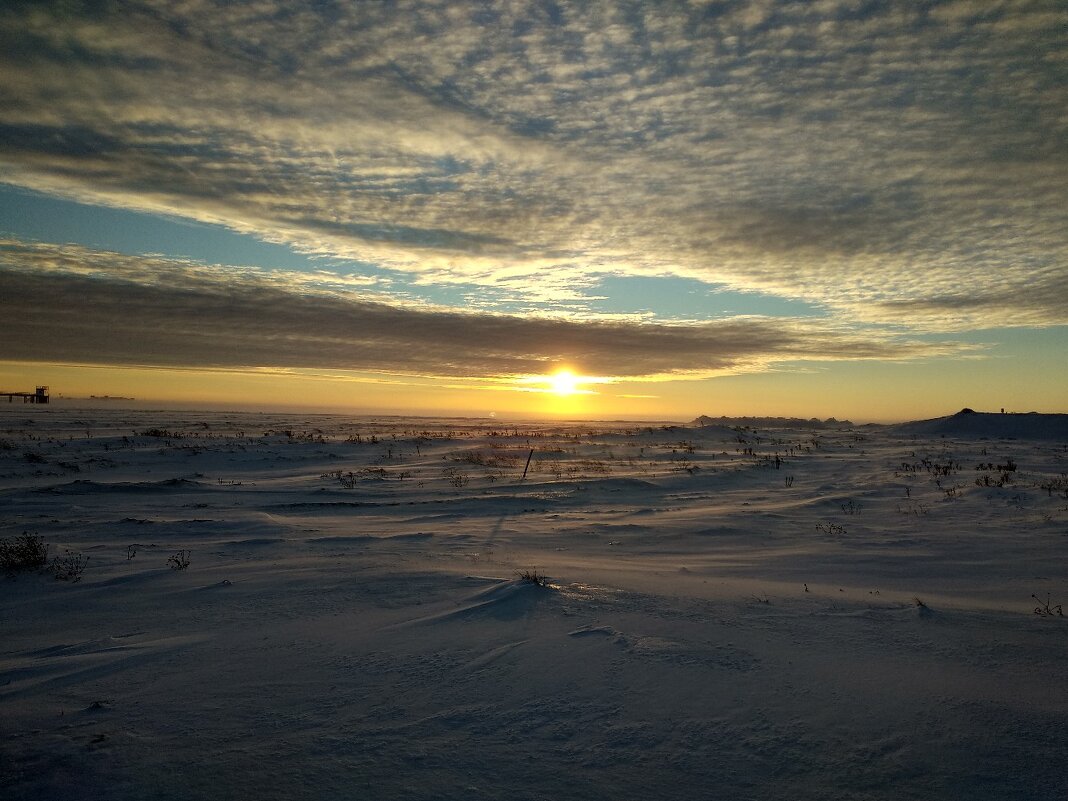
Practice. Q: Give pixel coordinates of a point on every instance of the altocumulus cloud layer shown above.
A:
(902, 164)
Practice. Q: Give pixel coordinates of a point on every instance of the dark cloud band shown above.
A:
(71, 304)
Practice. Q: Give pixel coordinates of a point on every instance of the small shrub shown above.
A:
(24, 552)
(69, 567)
(532, 576)
(455, 477)
(1045, 610)
(851, 508)
(179, 560)
(160, 433)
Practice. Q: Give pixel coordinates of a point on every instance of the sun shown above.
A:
(564, 383)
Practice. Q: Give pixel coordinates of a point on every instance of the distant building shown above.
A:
(38, 396)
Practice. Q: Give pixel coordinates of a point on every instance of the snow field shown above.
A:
(773, 614)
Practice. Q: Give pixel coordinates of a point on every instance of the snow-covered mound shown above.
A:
(709, 429)
(967, 423)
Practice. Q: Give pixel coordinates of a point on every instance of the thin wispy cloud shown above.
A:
(899, 164)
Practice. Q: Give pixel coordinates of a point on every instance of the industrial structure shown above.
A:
(39, 396)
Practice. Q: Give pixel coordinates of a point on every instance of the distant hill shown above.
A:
(990, 425)
(771, 422)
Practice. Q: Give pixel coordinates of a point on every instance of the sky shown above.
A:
(841, 208)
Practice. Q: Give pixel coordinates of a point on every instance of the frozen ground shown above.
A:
(778, 614)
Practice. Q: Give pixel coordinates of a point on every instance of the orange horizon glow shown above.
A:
(863, 392)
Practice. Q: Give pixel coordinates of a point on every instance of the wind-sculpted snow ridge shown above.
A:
(503, 599)
(327, 607)
(84, 487)
(770, 422)
(991, 425)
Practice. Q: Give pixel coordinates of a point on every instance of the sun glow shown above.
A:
(567, 389)
(564, 383)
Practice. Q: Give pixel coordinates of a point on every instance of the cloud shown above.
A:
(880, 159)
(66, 303)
